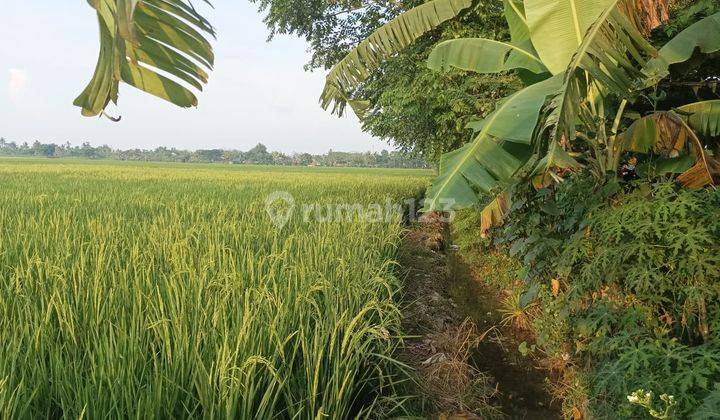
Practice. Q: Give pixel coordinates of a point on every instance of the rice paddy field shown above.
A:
(168, 291)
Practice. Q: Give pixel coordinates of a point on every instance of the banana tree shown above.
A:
(591, 62)
(158, 46)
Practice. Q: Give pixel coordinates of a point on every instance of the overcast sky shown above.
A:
(258, 92)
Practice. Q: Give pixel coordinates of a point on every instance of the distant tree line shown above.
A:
(258, 155)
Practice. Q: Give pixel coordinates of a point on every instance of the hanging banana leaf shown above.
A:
(558, 27)
(515, 17)
(482, 56)
(493, 214)
(703, 36)
(703, 117)
(556, 157)
(607, 58)
(486, 56)
(663, 133)
(659, 132)
(502, 147)
(387, 41)
(707, 167)
(667, 135)
(520, 37)
(158, 46)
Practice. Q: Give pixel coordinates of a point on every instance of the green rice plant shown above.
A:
(163, 291)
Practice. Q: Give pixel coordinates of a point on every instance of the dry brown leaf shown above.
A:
(701, 174)
(541, 181)
(494, 213)
(672, 135)
(555, 287)
(651, 14)
(696, 177)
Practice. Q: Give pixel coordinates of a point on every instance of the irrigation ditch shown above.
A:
(467, 365)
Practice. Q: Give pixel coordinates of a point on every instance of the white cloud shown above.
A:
(17, 83)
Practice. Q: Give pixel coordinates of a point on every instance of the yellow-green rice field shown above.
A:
(168, 291)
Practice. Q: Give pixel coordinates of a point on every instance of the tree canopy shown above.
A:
(256, 155)
(400, 110)
(331, 28)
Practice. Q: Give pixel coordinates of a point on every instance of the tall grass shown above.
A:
(145, 291)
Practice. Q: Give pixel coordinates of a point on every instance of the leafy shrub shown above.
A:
(627, 285)
(542, 221)
(657, 247)
(662, 364)
(644, 285)
(710, 407)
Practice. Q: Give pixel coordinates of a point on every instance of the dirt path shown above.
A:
(467, 366)
(522, 388)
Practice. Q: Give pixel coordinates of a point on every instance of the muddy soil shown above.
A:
(467, 365)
